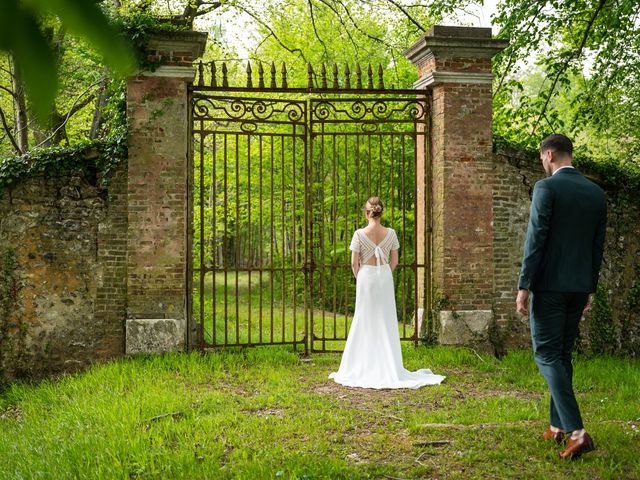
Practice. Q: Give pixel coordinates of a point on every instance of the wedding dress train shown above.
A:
(372, 356)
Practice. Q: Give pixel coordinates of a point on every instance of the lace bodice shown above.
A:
(366, 248)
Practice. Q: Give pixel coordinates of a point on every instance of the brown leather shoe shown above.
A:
(551, 435)
(575, 448)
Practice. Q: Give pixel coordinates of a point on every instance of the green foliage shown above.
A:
(21, 34)
(137, 26)
(602, 335)
(585, 81)
(624, 175)
(90, 158)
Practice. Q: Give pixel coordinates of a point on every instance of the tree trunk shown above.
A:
(22, 118)
(101, 101)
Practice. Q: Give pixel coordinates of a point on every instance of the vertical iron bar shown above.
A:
(214, 229)
(261, 236)
(249, 227)
(320, 183)
(282, 210)
(380, 164)
(428, 217)
(273, 228)
(293, 236)
(225, 246)
(334, 272)
(369, 167)
(348, 232)
(308, 334)
(202, 220)
(404, 242)
(237, 237)
(391, 175)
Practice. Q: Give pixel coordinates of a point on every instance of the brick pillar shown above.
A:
(455, 62)
(157, 111)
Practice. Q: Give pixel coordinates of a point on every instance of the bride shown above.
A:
(372, 356)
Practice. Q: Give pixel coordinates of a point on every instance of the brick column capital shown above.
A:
(455, 55)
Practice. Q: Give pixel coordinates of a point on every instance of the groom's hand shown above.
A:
(589, 305)
(522, 302)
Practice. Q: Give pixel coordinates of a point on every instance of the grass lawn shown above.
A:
(268, 413)
(258, 312)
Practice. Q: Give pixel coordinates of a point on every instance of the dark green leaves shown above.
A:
(21, 34)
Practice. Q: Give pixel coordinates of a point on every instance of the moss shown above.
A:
(602, 335)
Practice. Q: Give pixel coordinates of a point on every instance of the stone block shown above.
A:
(465, 327)
(155, 335)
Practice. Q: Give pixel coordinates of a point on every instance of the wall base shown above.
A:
(155, 335)
(465, 327)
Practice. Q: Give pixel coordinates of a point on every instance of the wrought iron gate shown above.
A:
(279, 178)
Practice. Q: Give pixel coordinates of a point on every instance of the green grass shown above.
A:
(257, 312)
(269, 413)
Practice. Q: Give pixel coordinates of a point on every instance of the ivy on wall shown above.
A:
(610, 172)
(93, 159)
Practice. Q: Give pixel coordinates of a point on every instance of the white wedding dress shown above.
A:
(372, 356)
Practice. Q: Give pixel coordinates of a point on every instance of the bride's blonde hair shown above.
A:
(375, 207)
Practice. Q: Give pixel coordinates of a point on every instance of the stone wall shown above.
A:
(68, 238)
(614, 326)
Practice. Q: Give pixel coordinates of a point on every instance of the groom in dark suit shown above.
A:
(560, 268)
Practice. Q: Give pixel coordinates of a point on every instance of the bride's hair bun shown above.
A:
(375, 206)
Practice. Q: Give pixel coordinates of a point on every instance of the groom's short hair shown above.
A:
(558, 143)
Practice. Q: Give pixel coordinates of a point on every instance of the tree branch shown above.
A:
(270, 30)
(402, 9)
(576, 54)
(512, 55)
(9, 91)
(214, 6)
(362, 32)
(77, 105)
(7, 129)
(341, 20)
(315, 30)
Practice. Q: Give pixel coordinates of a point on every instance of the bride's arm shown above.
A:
(355, 263)
(394, 260)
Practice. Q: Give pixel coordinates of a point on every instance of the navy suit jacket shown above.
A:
(565, 237)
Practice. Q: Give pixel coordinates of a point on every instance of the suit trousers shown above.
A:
(554, 323)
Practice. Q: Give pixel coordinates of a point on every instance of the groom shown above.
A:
(560, 268)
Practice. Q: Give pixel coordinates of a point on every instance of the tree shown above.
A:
(588, 52)
(25, 34)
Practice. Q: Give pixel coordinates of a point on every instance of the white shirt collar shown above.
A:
(566, 166)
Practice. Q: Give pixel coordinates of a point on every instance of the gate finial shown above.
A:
(347, 76)
(335, 75)
(225, 81)
(309, 75)
(369, 77)
(358, 76)
(200, 74)
(249, 82)
(214, 82)
(380, 77)
(260, 75)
